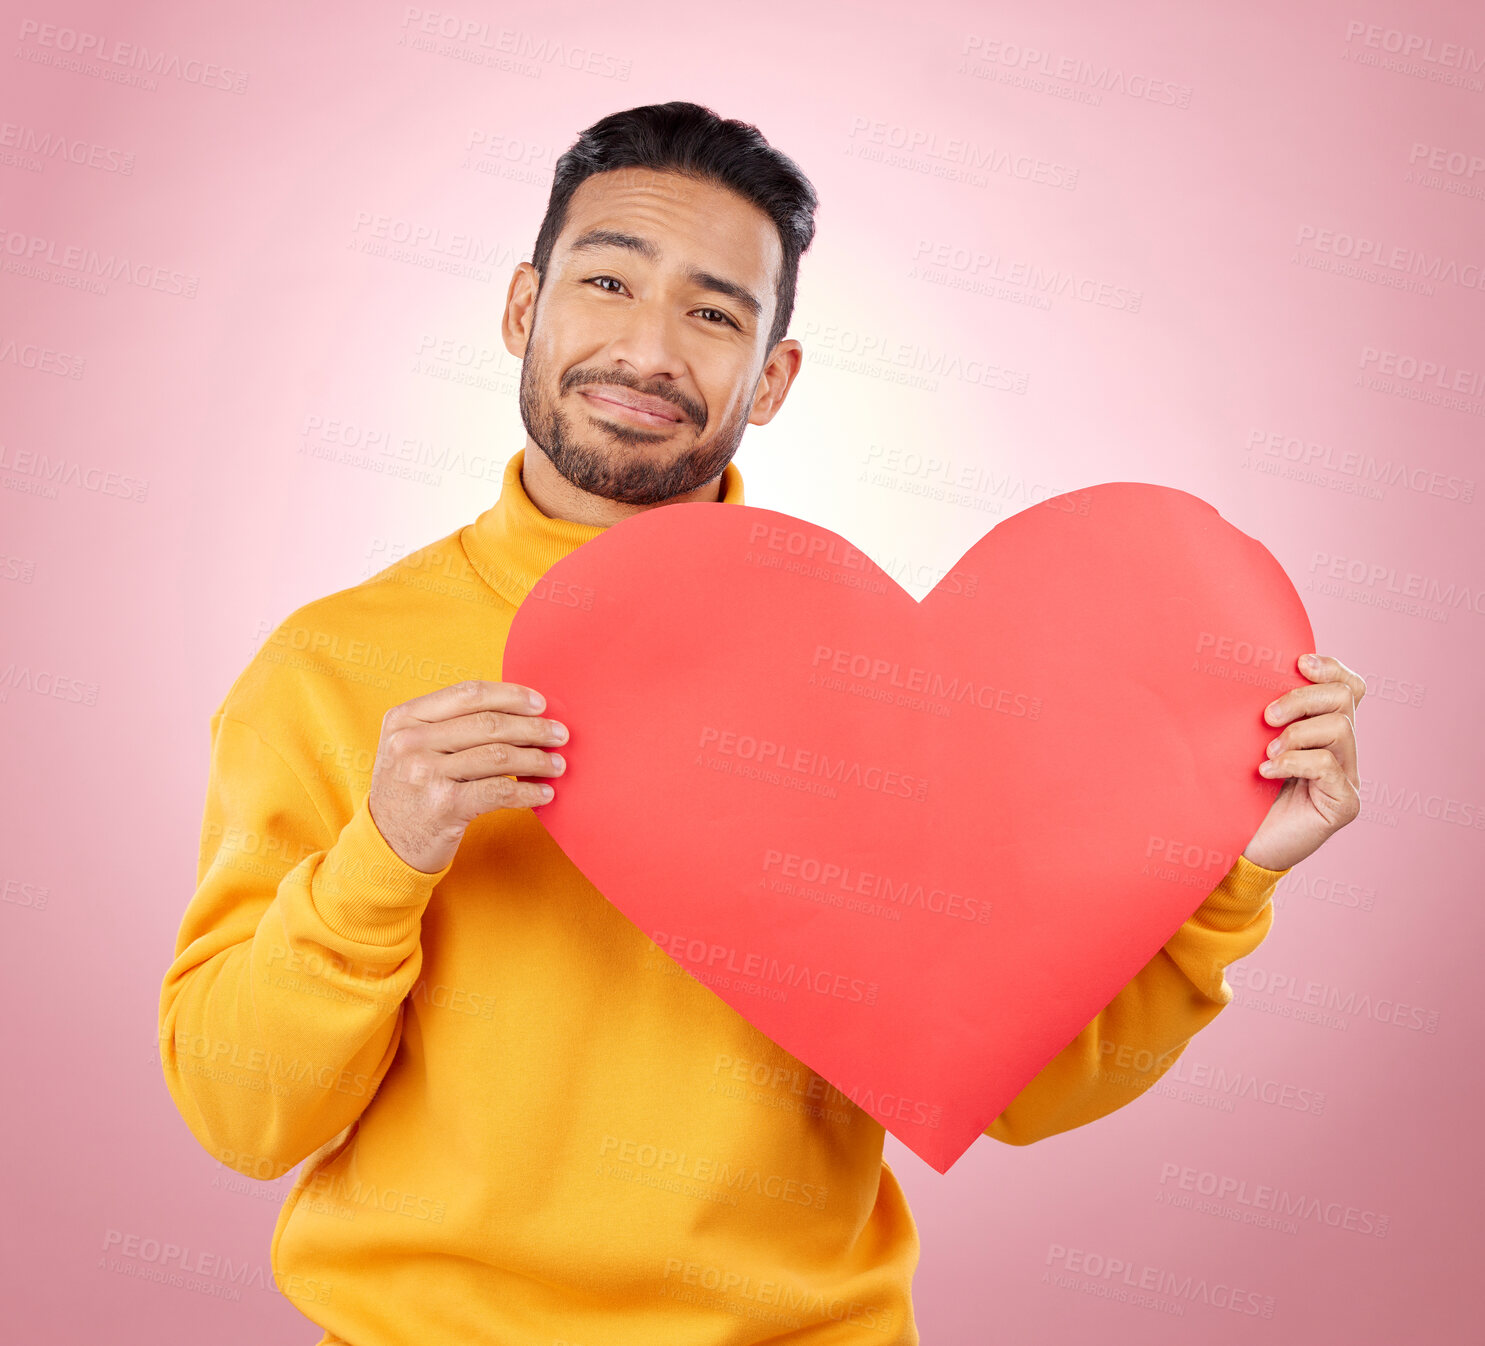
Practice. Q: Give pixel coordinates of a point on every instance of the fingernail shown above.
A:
(538, 701)
(1310, 660)
(1265, 768)
(546, 792)
(559, 761)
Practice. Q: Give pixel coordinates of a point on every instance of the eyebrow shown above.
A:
(650, 251)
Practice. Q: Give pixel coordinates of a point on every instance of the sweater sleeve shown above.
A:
(282, 1009)
(1139, 1035)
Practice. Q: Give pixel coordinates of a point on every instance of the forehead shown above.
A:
(691, 221)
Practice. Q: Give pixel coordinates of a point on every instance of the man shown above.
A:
(522, 1122)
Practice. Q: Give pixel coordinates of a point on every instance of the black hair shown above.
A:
(690, 139)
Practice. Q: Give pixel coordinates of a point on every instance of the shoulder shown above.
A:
(364, 648)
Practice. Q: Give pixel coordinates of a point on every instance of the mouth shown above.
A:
(635, 408)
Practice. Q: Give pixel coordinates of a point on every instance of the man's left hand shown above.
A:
(1315, 756)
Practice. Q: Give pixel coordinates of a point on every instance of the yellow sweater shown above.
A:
(523, 1122)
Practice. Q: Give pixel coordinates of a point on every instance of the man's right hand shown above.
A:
(449, 756)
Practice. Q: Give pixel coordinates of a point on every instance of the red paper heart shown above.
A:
(918, 845)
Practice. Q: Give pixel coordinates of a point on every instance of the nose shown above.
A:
(646, 342)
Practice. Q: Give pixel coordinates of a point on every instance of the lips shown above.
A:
(632, 401)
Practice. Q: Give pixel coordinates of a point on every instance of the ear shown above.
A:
(775, 381)
(520, 309)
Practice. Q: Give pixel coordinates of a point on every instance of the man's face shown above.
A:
(660, 293)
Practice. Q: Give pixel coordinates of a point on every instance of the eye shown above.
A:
(713, 321)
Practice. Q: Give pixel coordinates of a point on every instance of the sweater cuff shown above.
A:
(365, 891)
(1240, 896)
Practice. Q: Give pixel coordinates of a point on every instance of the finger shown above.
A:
(1334, 731)
(499, 792)
(1336, 798)
(1327, 668)
(461, 698)
(1318, 698)
(485, 726)
(501, 759)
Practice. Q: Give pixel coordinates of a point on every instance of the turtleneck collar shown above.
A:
(513, 544)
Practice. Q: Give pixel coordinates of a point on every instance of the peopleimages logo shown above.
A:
(82, 267)
(792, 1299)
(1276, 1202)
(1414, 46)
(198, 1270)
(1074, 73)
(36, 472)
(1238, 660)
(40, 359)
(1440, 376)
(1352, 254)
(1383, 581)
(779, 760)
(1125, 1280)
(727, 1177)
(926, 685)
(32, 143)
(709, 960)
(1385, 801)
(130, 62)
(1271, 989)
(1366, 471)
(885, 1105)
(486, 44)
(805, 873)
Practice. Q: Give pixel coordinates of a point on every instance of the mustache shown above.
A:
(580, 377)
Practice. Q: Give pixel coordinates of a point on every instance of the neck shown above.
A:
(558, 498)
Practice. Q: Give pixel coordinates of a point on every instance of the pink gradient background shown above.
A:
(1248, 325)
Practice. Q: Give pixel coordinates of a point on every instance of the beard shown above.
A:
(614, 460)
